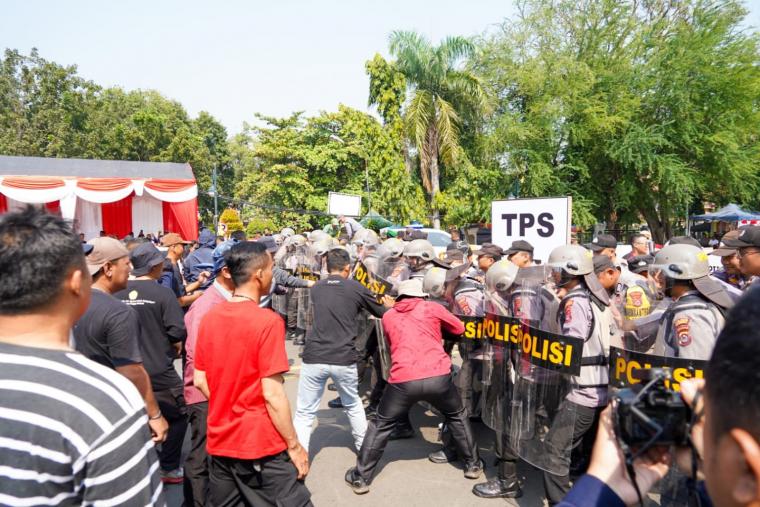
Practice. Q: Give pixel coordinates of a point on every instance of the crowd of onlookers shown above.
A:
(94, 411)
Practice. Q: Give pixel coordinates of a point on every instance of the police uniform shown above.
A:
(582, 317)
(689, 328)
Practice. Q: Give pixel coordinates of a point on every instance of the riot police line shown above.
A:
(545, 348)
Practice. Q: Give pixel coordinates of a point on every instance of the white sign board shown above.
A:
(542, 222)
(344, 204)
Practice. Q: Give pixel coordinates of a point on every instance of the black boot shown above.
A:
(443, 455)
(300, 338)
(401, 431)
(474, 469)
(336, 403)
(505, 485)
(357, 484)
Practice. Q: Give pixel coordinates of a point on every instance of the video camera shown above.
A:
(650, 414)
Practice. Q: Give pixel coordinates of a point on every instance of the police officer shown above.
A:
(694, 319)
(499, 282)
(520, 253)
(604, 244)
(421, 257)
(583, 313)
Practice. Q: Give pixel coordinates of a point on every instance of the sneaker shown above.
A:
(357, 484)
(176, 476)
(474, 470)
(332, 387)
(335, 403)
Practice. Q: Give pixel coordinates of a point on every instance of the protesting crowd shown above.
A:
(615, 377)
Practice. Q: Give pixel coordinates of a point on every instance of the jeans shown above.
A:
(397, 400)
(270, 481)
(311, 386)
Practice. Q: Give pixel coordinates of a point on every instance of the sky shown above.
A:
(234, 58)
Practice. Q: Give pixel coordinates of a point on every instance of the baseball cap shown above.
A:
(218, 255)
(640, 263)
(519, 246)
(104, 249)
(144, 258)
(172, 239)
(602, 241)
(602, 262)
(749, 236)
(269, 243)
(724, 250)
(453, 256)
(490, 250)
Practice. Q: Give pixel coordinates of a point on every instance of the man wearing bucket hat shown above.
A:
(420, 371)
(162, 333)
(691, 324)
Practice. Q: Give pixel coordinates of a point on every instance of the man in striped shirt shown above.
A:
(72, 431)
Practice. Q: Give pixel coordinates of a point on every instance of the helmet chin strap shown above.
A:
(565, 279)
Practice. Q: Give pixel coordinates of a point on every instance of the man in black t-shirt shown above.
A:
(109, 331)
(162, 331)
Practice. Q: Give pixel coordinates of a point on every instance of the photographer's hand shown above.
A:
(608, 463)
(689, 390)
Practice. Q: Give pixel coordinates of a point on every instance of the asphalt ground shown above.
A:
(405, 476)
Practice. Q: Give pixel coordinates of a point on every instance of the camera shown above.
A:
(649, 413)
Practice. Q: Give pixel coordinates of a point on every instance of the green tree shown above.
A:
(440, 91)
(636, 109)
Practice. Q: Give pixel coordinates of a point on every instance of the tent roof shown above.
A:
(728, 213)
(92, 168)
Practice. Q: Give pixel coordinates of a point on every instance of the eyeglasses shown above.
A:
(746, 251)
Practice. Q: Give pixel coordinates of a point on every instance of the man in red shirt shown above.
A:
(240, 357)
(420, 371)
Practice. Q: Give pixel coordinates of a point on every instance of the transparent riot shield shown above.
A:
(306, 268)
(634, 382)
(523, 302)
(393, 269)
(634, 301)
(543, 410)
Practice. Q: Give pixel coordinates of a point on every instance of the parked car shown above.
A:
(438, 238)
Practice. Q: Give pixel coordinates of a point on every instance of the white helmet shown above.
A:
(681, 262)
(501, 275)
(434, 282)
(394, 246)
(573, 259)
(420, 248)
(287, 232)
(365, 237)
(296, 240)
(321, 247)
(318, 235)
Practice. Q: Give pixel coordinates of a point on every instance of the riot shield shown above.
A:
(634, 301)
(394, 270)
(306, 268)
(631, 373)
(546, 363)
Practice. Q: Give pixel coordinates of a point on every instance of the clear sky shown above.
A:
(236, 57)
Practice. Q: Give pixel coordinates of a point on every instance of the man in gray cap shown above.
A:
(731, 273)
(747, 246)
(162, 333)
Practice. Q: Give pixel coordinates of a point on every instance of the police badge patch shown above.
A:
(682, 332)
(569, 311)
(635, 298)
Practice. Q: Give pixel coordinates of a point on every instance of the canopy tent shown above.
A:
(115, 196)
(728, 213)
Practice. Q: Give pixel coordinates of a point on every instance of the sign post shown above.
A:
(544, 222)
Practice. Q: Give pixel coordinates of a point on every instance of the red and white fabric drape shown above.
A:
(115, 205)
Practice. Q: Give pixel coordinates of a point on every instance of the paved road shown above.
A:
(405, 476)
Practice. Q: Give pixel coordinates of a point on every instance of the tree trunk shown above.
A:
(658, 229)
(431, 151)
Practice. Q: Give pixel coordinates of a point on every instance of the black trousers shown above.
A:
(567, 437)
(171, 402)
(271, 481)
(471, 369)
(397, 400)
(197, 462)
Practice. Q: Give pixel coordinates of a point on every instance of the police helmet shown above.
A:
(365, 237)
(395, 247)
(434, 281)
(573, 259)
(287, 232)
(420, 248)
(501, 275)
(681, 262)
(318, 235)
(296, 240)
(321, 247)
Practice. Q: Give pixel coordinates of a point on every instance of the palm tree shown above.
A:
(438, 87)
